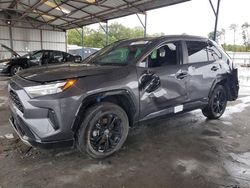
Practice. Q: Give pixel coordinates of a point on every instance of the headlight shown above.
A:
(48, 89)
(5, 63)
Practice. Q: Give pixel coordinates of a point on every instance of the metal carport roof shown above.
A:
(68, 14)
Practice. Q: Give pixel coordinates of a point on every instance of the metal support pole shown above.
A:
(145, 25)
(82, 44)
(216, 20)
(41, 38)
(210, 1)
(11, 38)
(66, 41)
(107, 33)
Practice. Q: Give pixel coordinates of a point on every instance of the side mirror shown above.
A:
(78, 59)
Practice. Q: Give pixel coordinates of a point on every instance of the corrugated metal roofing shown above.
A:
(67, 14)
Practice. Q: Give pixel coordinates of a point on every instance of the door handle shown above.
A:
(214, 68)
(181, 75)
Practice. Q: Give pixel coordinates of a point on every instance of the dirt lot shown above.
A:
(183, 151)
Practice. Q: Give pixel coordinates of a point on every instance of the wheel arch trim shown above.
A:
(100, 97)
(222, 80)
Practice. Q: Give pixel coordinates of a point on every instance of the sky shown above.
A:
(195, 18)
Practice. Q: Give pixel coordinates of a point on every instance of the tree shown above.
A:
(233, 27)
(223, 33)
(97, 38)
(245, 35)
(218, 35)
(74, 37)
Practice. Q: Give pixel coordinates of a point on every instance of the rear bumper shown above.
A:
(30, 139)
(233, 85)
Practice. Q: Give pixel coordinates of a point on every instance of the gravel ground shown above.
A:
(183, 151)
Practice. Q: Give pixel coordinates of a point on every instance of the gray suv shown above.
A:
(93, 104)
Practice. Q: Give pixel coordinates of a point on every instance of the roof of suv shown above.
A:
(184, 37)
(165, 37)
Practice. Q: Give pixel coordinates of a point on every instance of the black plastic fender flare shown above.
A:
(99, 97)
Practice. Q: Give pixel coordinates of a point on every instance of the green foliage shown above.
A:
(234, 48)
(233, 27)
(245, 35)
(218, 34)
(221, 35)
(92, 38)
(97, 38)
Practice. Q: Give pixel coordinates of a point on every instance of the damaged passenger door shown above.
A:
(162, 82)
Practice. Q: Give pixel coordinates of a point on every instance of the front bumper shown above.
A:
(4, 70)
(30, 139)
(44, 122)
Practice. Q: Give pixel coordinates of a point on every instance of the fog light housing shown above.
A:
(53, 119)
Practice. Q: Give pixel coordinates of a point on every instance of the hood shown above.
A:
(55, 73)
(4, 60)
(10, 50)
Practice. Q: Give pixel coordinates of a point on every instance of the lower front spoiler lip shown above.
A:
(44, 145)
(24, 138)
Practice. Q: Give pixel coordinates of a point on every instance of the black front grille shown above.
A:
(15, 99)
(21, 127)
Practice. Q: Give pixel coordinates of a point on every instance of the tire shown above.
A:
(217, 103)
(103, 131)
(15, 69)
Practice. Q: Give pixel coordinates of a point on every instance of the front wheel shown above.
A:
(103, 131)
(15, 69)
(217, 103)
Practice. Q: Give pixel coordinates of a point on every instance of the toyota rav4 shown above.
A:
(93, 104)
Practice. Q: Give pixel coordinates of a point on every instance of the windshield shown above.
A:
(120, 53)
(30, 54)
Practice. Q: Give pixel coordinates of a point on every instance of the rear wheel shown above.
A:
(217, 103)
(15, 69)
(103, 131)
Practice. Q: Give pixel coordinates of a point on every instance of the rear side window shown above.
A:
(68, 57)
(197, 51)
(213, 53)
(57, 56)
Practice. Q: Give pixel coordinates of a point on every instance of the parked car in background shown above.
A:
(92, 105)
(16, 62)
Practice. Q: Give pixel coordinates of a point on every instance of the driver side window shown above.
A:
(37, 56)
(162, 56)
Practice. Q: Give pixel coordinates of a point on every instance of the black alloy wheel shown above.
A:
(103, 130)
(15, 69)
(217, 103)
(106, 133)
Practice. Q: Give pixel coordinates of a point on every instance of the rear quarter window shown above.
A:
(213, 53)
(197, 51)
